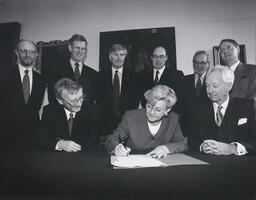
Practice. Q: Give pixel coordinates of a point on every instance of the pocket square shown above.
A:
(242, 121)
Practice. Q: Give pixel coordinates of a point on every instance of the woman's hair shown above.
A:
(161, 93)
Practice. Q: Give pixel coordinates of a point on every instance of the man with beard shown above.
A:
(75, 69)
(245, 74)
(22, 91)
(224, 125)
(118, 89)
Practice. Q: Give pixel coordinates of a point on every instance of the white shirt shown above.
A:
(30, 74)
(159, 74)
(120, 75)
(154, 129)
(234, 66)
(201, 78)
(74, 66)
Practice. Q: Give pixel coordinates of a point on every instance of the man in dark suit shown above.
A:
(65, 126)
(195, 90)
(165, 75)
(245, 74)
(75, 69)
(118, 89)
(22, 91)
(224, 125)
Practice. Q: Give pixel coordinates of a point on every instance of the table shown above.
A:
(89, 175)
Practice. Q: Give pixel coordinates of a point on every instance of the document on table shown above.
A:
(140, 161)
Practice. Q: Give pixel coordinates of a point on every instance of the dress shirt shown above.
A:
(30, 74)
(159, 74)
(201, 78)
(120, 74)
(240, 149)
(74, 66)
(67, 112)
(234, 66)
(153, 129)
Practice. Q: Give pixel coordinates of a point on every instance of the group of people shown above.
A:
(159, 111)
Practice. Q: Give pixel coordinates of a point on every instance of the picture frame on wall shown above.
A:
(218, 61)
(139, 44)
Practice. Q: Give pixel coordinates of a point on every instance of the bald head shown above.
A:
(26, 53)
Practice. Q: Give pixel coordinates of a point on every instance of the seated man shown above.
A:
(224, 125)
(65, 126)
(154, 129)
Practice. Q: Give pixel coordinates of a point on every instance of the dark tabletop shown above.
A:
(89, 175)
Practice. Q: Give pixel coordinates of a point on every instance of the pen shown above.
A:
(122, 142)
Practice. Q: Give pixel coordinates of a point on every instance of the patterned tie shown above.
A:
(70, 122)
(116, 93)
(26, 86)
(77, 72)
(156, 78)
(219, 116)
(198, 85)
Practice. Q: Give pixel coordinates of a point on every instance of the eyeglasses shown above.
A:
(25, 51)
(156, 110)
(75, 101)
(160, 57)
(200, 63)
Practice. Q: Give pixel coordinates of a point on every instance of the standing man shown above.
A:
(224, 125)
(22, 91)
(75, 69)
(195, 86)
(65, 126)
(118, 89)
(245, 74)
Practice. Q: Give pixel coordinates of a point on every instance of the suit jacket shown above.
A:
(134, 130)
(171, 78)
(238, 124)
(191, 99)
(18, 119)
(129, 97)
(54, 126)
(87, 79)
(245, 81)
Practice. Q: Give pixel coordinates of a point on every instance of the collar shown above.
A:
(160, 70)
(224, 106)
(72, 62)
(22, 68)
(120, 70)
(234, 66)
(67, 112)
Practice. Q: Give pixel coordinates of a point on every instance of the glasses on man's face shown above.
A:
(158, 57)
(200, 63)
(75, 101)
(26, 51)
(156, 110)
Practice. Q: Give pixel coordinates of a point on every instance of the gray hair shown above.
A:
(202, 52)
(226, 73)
(161, 92)
(68, 85)
(117, 47)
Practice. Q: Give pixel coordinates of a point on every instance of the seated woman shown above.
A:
(155, 129)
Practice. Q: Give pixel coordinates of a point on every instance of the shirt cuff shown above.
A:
(240, 149)
(57, 146)
(166, 149)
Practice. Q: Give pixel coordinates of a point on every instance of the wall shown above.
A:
(200, 24)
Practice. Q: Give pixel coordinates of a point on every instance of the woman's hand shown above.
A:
(158, 152)
(120, 150)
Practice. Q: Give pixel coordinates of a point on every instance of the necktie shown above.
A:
(116, 93)
(156, 78)
(198, 85)
(219, 116)
(77, 72)
(26, 86)
(70, 122)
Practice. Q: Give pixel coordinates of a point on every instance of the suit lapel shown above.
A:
(238, 76)
(18, 85)
(63, 122)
